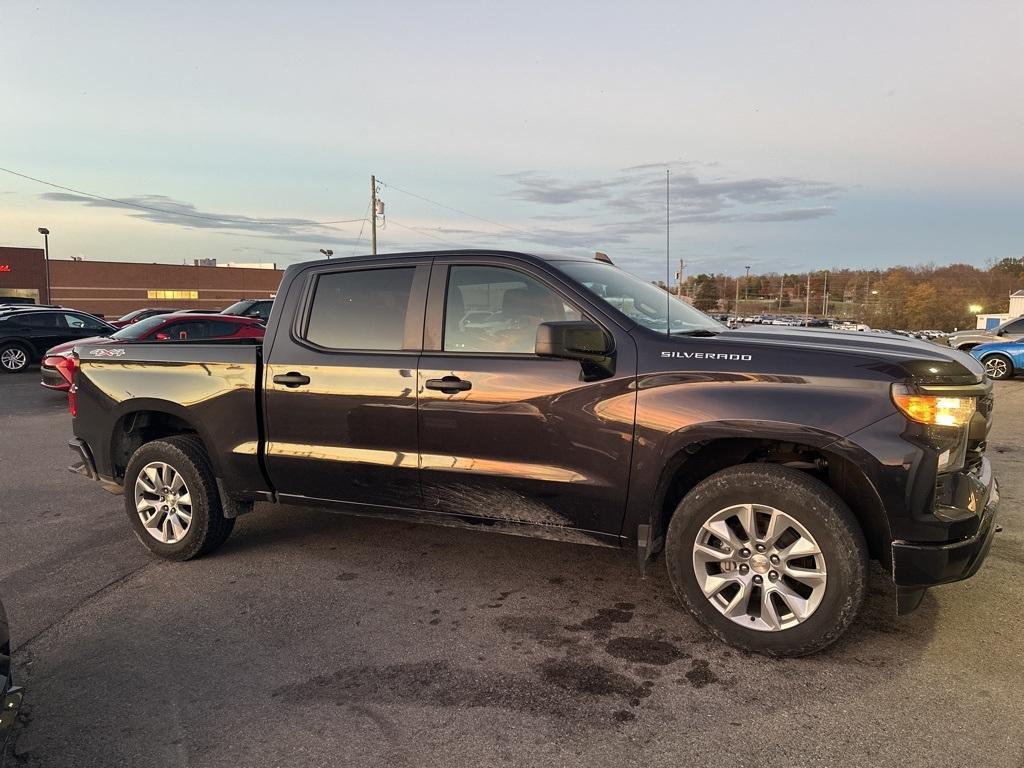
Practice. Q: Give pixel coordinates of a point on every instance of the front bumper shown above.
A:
(916, 566)
(10, 703)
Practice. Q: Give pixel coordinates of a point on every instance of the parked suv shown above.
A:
(766, 466)
(25, 334)
(1011, 330)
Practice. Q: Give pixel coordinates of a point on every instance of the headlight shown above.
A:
(935, 410)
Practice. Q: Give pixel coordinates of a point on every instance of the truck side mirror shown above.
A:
(577, 340)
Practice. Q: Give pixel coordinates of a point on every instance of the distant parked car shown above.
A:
(141, 314)
(25, 334)
(251, 308)
(10, 694)
(177, 326)
(1002, 359)
(1011, 330)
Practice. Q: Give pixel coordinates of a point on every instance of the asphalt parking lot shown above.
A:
(314, 639)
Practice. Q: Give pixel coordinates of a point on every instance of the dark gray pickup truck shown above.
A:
(564, 398)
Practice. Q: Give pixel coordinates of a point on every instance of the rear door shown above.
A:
(510, 436)
(340, 384)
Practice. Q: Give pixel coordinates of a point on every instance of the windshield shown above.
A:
(139, 329)
(644, 303)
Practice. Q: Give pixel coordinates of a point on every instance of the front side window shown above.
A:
(643, 303)
(84, 322)
(497, 310)
(1015, 327)
(361, 309)
(191, 329)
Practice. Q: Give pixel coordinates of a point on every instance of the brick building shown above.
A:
(114, 288)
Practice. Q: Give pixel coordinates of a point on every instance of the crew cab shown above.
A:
(765, 466)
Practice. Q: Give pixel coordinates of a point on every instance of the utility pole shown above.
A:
(679, 279)
(824, 298)
(807, 307)
(373, 215)
(746, 285)
(737, 309)
(46, 257)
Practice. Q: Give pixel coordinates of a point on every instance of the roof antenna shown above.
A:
(668, 268)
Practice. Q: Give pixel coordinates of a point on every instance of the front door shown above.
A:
(509, 436)
(340, 385)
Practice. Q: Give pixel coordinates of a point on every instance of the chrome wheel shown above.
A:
(163, 502)
(13, 359)
(997, 368)
(759, 567)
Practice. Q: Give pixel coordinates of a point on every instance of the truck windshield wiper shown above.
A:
(696, 332)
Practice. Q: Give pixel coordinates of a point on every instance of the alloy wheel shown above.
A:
(759, 567)
(996, 368)
(14, 359)
(163, 502)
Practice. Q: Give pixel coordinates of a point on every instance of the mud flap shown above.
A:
(908, 599)
(646, 547)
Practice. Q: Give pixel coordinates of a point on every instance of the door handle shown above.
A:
(291, 379)
(449, 385)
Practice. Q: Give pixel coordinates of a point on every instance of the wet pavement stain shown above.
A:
(347, 576)
(700, 674)
(587, 677)
(441, 684)
(541, 629)
(643, 650)
(605, 619)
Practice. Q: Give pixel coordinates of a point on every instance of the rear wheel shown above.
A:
(13, 358)
(172, 500)
(998, 367)
(768, 559)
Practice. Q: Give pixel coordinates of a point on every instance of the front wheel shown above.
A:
(998, 367)
(172, 500)
(768, 558)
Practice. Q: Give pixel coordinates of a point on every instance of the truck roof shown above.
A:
(524, 255)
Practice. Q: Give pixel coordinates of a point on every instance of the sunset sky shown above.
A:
(798, 135)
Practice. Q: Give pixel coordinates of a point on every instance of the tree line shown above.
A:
(918, 297)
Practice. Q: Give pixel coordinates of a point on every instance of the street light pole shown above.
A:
(46, 258)
(746, 285)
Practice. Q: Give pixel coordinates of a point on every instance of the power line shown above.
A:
(361, 227)
(423, 232)
(155, 209)
(455, 210)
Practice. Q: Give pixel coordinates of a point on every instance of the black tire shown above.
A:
(816, 507)
(999, 374)
(6, 351)
(208, 528)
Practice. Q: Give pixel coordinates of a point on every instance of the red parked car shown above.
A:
(140, 314)
(176, 326)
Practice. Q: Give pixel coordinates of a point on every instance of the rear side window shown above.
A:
(223, 328)
(363, 309)
(41, 320)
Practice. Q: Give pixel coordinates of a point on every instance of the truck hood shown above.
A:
(902, 358)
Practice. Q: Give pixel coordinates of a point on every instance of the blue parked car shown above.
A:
(1002, 359)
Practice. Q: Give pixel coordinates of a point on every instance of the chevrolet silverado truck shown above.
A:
(766, 467)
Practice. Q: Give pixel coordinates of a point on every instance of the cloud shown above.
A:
(160, 209)
(639, 191)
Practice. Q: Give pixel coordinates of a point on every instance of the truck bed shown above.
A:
(212, 387)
